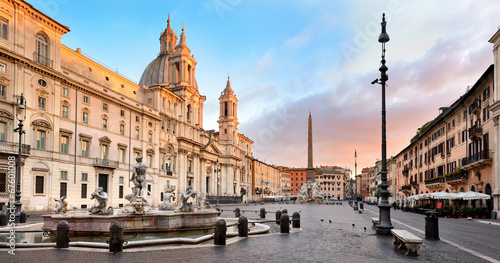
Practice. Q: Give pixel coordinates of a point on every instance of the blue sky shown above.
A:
(287, 58)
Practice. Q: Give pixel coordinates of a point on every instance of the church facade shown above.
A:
(85, 123)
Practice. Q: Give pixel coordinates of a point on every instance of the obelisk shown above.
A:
(310, 168)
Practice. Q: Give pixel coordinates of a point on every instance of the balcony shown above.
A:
(475, 106)
(435, 182)
(105, 163)
(405, 172)
(406, 188)
(459, 178)
(13, 148)
(475, 131)
(477, 161)
(42, 59)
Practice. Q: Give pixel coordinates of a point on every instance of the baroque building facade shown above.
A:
(85, 123)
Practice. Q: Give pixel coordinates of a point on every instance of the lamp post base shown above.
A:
(384, 227)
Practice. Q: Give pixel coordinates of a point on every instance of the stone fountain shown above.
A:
(137, 214)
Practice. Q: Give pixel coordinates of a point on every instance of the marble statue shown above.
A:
(101, 206)
(137, 203)
(61, 205)
(315, 197)
(183, 205)
(167, 196)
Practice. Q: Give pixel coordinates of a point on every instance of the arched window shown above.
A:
(189, 112)
(225, 108)
(42, 50)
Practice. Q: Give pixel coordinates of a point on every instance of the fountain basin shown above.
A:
(156, 220)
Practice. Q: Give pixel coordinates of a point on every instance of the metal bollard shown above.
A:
(62, 236)
(296, 220)
(284, 211)
(355, 205)
(3, 219)
(262, 213)
(361, 206)
(431, 225)
(237, 212)
(220, 232)
(278, 217)
(284, 224)
(116, 237)
(23, 217)
(243, 226)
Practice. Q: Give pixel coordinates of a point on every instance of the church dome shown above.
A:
(156, 72)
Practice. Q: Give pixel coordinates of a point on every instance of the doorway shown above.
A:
(103, 182)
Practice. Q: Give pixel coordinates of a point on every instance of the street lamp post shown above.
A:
(384, 227)
(21, 116)
(262, 190)
(355, 194)
(217, 171)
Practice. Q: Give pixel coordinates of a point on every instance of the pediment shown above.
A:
(105, 139)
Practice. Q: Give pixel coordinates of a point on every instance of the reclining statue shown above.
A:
(101, 206)
(61, 205)
(183, 205)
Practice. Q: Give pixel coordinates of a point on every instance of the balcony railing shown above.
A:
(475, 131)
(13, 148)
(475, 106)
(406, 187)
(42, 59)
(436, 180)
(482, 155)
(105, 163)
(457, 177)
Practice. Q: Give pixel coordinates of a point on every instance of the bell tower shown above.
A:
(228, 118)
(168, 39)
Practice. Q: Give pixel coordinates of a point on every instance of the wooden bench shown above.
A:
(375, 221)
(407, 240)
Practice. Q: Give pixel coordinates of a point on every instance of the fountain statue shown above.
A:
(61, 205)
(101, 206)
(137, 203)
(315, 197)
(183, 205)
(167, 205)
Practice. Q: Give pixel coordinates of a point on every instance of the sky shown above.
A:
(287, 58)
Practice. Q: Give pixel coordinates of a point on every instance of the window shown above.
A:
(465, 115)
(150, 137)
(84, 191)
(149, 101)
(3, 131)
(104, 152)
(3, 67)
(122, 129)
(486, 93)
(104, 124)
(85, 118)
(39, 181)
(42, 50)
(85, 148)
(120, 191)
(122, 113)
(40, 140)
(150, 160)
(105, 107)
(63, 190)
(65, 92)
(85, 99)
(64, 175)
(85, 176)
(168, 125)
(64, 144)
(486, 113)
(122, 155)
(136, 134)
(120, 180)
(4, 29)
(137, 118)
(65, 111)
(3, 92)
(41, 103)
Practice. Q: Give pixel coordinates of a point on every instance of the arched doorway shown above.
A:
(462, 189)
(489, 202)
(473, 189)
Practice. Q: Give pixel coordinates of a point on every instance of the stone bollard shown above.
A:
(3, 219)
(220, 232)
(243, 226)
(278, 217)
(262, 213)
(284, 224)
(296, 220)
(116, 237)
(62, 236)
(23, 217)
(284, 211)
(237, 212)
(355, 205)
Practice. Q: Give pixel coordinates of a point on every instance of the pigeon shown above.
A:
(321, 219)
(330, 221)
(364, 228)
(353, 225)
(74, 207)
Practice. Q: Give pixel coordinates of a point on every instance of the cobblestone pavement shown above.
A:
(343, 240)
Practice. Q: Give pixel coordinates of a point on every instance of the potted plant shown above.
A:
(483, 212)
(460, 213)
(468, 212)
(448, 211)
